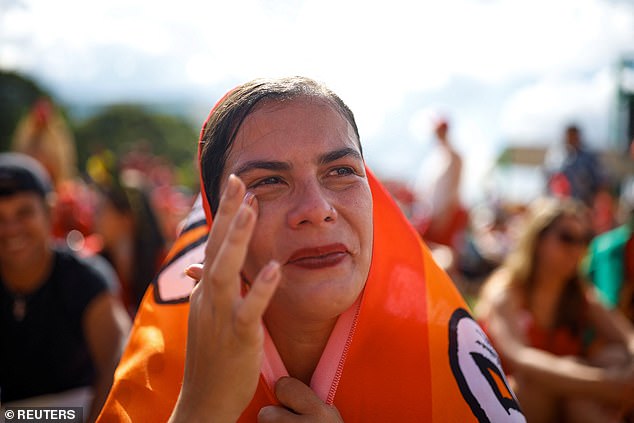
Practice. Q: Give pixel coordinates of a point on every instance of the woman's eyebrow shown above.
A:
(331, 156)
(276, 165)
(262, 164)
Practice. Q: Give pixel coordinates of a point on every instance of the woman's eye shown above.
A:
(342, 171)
(267, 181)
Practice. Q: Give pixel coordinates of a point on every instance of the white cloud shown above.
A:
(538, 112)
(507, 39)
(416, 45)
(388, 49)
(374, 54)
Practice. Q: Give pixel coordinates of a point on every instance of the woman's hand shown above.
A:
(225, 335)
(298, 404)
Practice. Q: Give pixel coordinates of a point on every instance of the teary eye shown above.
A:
(342, 171)
(267, 181)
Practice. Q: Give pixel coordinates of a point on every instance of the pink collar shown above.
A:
(328, 372)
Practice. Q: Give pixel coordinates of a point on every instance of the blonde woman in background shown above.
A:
(569, 358)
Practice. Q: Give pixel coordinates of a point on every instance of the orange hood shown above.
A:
(413, 354)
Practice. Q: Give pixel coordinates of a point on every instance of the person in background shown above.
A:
(62, 329)
(570, 359)
(576, 171)
(317, 300)
(130, 234)
(610, 261)
(44, 135)
(169, 200)
(438, 213)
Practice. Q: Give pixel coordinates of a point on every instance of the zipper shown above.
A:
(335, 381)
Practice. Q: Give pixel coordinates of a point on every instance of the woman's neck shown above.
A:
(25, 280)
(300, 345)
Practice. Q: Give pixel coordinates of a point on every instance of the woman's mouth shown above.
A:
(319, 257)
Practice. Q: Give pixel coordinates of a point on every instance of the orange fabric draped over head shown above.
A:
(413, 354)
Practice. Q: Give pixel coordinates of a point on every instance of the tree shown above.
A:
(122, 127)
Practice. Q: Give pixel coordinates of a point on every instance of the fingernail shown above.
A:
(248, 198)
(268, 274)
(243, 217)
(232, 186)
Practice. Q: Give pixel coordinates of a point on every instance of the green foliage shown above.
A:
(119, 127)
(123, 127)
(17, 95)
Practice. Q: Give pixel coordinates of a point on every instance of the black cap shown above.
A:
(22, 173)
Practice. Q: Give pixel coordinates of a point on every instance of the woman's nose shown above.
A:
(311, 206)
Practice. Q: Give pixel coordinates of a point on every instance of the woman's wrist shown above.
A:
(194, 410)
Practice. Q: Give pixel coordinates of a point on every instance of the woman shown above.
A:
(551, 331)
(130, 234)
(317, 300)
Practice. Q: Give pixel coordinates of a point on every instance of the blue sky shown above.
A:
(504, 71)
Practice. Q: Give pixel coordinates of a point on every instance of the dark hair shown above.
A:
(131, 197)
(225, 120)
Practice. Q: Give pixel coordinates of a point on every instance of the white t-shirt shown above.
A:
(437, 187)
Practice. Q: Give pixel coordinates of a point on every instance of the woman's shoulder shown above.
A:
(498, 292)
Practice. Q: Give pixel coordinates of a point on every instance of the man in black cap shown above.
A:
(63, 330)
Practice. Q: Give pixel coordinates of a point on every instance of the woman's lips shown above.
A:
(319, 257)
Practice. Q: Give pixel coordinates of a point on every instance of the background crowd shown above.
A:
(551, 280)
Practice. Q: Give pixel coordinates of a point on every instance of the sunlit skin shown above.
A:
(314, 217)
(24, 237)
(296, 221)
(309, 197)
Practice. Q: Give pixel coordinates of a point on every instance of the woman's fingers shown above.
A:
(229, 205)
(233, 237)
(259, 296)
(298, 403)
(194, 271)
(225, 336)
(297, 396)
(223, 274)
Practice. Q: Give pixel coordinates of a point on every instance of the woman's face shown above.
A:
(110, 223)
(302, 161)
(563, 245)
